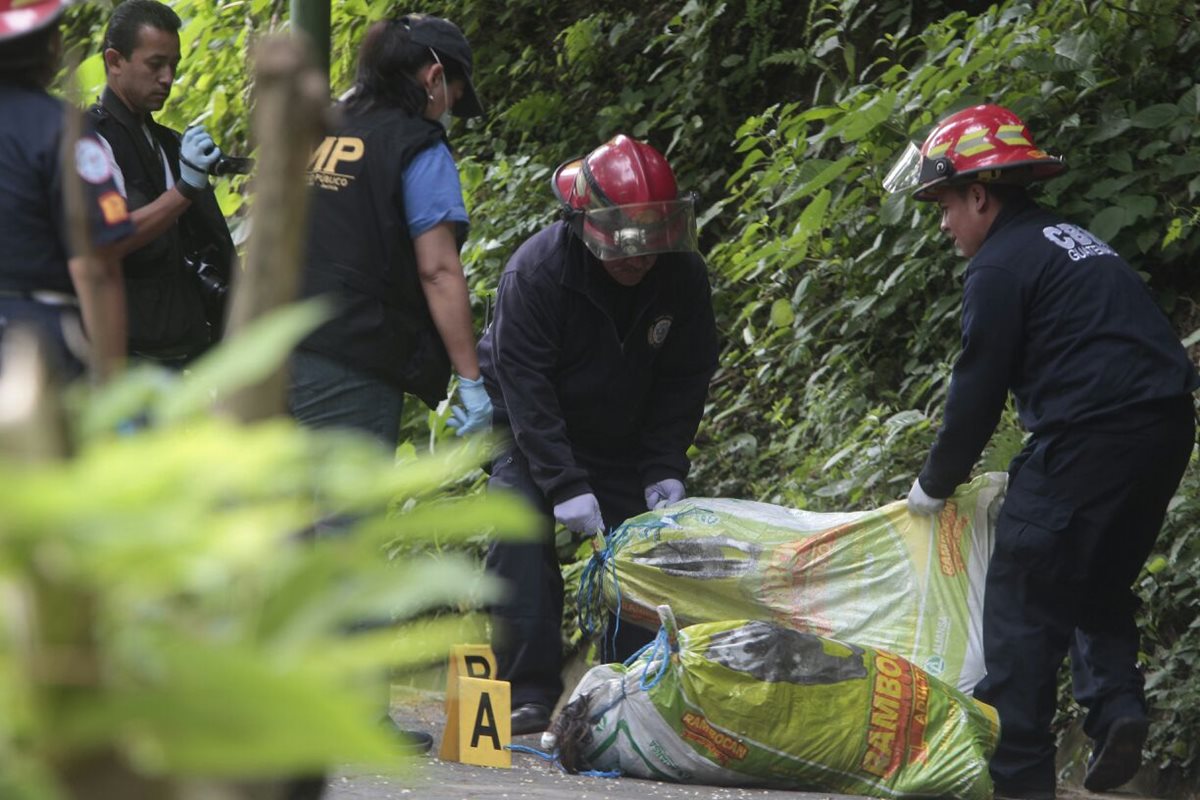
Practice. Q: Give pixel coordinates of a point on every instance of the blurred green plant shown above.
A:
(839, 306)
(167, 620)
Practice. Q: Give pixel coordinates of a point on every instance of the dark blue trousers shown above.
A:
(58, 326)
(1083, 509)
(324, 393)
(527, 624)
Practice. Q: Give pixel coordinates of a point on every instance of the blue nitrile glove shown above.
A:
(197, 152)
(921, 503)
(580, 514)
(475, 413)
(661, 494)
(130, 426)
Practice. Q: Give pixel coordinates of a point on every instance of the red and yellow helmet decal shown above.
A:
(982, 143)
(986, 143)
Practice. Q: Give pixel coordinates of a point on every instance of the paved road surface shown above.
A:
(534, 779)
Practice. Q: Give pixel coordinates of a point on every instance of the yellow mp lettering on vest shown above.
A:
(334, 150)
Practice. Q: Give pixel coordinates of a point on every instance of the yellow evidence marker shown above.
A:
(478, 709)
(485, 723)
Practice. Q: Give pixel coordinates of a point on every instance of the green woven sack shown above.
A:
(749, 703)
(912, 585)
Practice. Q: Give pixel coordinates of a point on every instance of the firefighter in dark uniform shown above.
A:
(598, 362)
(1103, 385)
(179, 265)
(62, 294)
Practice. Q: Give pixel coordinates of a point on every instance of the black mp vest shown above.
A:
(171, 316)
(360, 253)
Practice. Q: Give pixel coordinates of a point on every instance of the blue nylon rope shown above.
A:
(658, 655)
(533, 751)
(553, 759)
(590, 597)
(660, 649)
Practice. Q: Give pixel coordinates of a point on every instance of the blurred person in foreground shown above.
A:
(74, 300)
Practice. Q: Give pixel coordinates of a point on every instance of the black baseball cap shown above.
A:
(445, 37)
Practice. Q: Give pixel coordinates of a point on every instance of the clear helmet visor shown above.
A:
(639, 229)
(905, 174)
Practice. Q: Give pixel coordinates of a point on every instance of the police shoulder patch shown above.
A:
(90, 161)
(113, 207)
(658, 331)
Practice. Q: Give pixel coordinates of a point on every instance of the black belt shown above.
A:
(44, 296)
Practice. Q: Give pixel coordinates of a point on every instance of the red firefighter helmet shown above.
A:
(622, 201)
(985, 144)
(21, 17)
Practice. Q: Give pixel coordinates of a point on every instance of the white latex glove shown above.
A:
(921, 503)
(661, 494)
(197, 152)
(580, 514)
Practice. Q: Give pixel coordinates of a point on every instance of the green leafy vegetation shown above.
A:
(838, 304)
(170, 620)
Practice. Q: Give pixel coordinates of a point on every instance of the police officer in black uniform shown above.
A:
(598, 363)
(179, 265)
(1104, 387)
(44, 282)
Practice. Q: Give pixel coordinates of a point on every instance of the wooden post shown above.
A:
(291, 100)
(311, 18)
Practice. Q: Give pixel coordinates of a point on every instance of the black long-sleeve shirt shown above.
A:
(578, 367)
(1053, 314)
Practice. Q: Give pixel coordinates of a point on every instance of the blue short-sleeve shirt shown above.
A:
(432, 190)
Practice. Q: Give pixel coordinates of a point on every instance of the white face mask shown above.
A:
(446, 116)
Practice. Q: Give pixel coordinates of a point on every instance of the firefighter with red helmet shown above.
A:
(73, 300)
(597, 362)
(1103, 385)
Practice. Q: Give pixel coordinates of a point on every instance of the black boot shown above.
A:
(1117, 759)
(530, 718)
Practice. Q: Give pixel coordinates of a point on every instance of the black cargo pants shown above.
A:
(1083, 510)
(527, 624)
